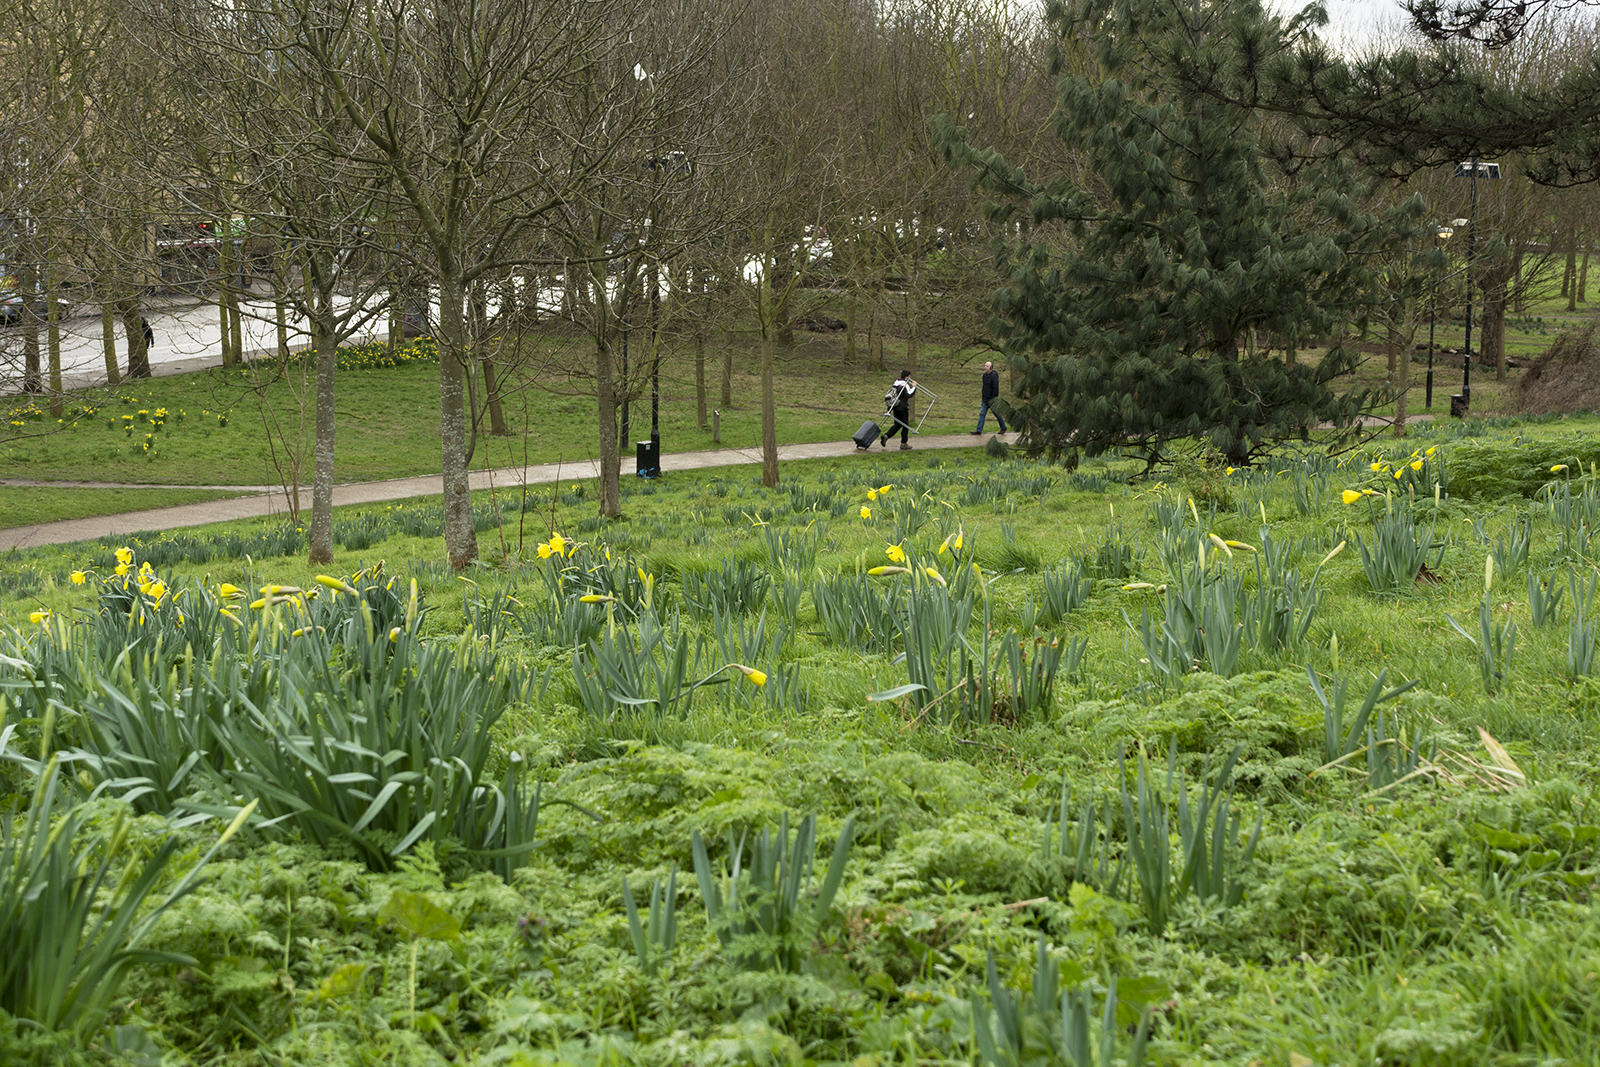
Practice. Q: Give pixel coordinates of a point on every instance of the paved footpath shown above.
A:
(268, 501)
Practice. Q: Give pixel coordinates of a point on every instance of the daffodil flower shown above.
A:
(229, 592)
(1220, 543)
(79, 577)
(935, 575)
(879, 572)
(1558, 468)
(1429, 453)
(337, 583)
(758, 678)
(895, 553)
(872, 494)
(1375, 466)
(1240, 545)
(125, 556)
(558, 544)
(596, 598)
(866, 512)
(122, 569)
(544, 551)
(42, 615)
(1416, 464)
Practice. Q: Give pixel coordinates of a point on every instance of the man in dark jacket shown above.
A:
(991, 393)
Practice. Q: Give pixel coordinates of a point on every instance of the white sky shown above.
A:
(1358, 21)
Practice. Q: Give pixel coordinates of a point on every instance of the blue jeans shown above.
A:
(983, 413)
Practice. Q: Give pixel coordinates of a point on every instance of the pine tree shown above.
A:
(1139, 280)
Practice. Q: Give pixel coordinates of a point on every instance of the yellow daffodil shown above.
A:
(257, 605)
(544, 551)
(1230, 470)
(226, 614)
(935, 575)
(42, 615)
(156, 590)
(1375, 466)
(1370, 492)
(1429, 453)
(339, 584)
(759, 678)
(558, 544)
(1240, 545)
(125, 555)
(79, 577)
(866, 512)
(882, 489)
(145, 570)
(596, 598)
(394, 635)
(280, 590)
(872, 494)
(1558, 468)
(895, 553)
(229, 592)
(1416, 464)
(1398, 473)
(122, 569)
(879, 572)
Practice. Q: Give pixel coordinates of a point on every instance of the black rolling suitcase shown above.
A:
(864, 437)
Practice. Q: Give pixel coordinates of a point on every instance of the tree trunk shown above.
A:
(1583, 277)
(610, 457)
(327, 357)
(727, 370)
(280, 316)
(52, 314)
(1402, 360)
(32, 377)
(850, 306)
(701, 400)
(491, 396)
(1569, 277)
(1494, 324)
(108, 342)
(874, 338)
(460, 539)
(133, 329)
(769, 419)
(1520, 298)
(230, 355)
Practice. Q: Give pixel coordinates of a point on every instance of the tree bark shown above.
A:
(32, 377)
(1569, 277)
(108, 342)
(491, 396)
(769, 419)
(133, 329)
(327, 357)
(850, 306)
(460, 539)
(52, 316)
(1402, 378)
(727, 370)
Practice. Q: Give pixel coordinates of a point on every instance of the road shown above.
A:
(188, 338)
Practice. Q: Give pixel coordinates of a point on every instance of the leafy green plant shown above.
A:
(75, 907)
(1400, 548)
(1113, 557)
(1014, 1024)
(762, 913)
(1208, 839)
(1084, 843)
(655, 934)
(1544, 599)
(1063, 589)
(417, 918)
(856, 613)
(1494, 646)
(1341, 737)
(733, 587)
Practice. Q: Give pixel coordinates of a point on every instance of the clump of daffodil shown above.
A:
(952, 543)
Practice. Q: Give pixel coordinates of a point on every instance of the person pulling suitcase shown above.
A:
(898, 400)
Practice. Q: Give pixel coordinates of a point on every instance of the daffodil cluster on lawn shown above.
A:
(1420, 472)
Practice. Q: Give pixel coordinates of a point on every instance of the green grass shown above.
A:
(1444, 921)
(26, 505)
(388, 419)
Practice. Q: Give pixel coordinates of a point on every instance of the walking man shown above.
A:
(899, 399)
(991, 393)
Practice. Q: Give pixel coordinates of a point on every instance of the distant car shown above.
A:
(11, 308)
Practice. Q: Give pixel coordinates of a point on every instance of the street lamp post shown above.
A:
(1440, 233)
(1472, 169)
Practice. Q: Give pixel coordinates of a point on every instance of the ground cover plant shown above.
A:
(918, 757)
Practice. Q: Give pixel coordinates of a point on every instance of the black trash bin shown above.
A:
(647, 459)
